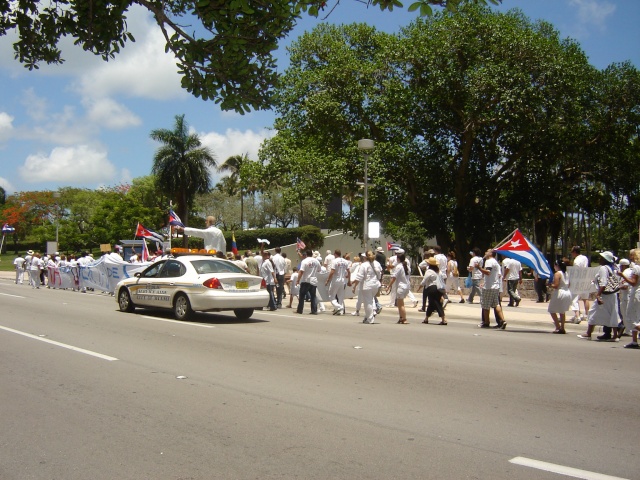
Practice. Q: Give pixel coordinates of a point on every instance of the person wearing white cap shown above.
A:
(604, 311)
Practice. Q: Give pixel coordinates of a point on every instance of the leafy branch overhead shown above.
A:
(223, 48)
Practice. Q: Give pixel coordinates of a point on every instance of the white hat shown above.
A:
(30, 252)
(399, 251)
(379, 249)
(624, 261)
(608, 256)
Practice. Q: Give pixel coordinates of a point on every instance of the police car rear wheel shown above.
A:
(182, 308)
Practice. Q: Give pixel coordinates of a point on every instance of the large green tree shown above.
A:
(182, 165)
(225, 53)
(482, 122)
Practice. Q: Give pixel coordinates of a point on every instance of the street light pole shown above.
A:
(366, 146)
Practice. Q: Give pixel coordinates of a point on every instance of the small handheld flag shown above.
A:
(234, 247)
(6, 229)
(300, 245)
(175, 219)
(143, 232)
(264, 240)
(523, 250)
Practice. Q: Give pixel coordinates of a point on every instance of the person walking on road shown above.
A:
(561, 297)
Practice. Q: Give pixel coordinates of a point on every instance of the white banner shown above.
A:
(103, 274)
(581, 279)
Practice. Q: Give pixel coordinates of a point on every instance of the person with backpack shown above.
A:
(604, 311)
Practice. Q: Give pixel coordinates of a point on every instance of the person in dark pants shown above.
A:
(308, 281)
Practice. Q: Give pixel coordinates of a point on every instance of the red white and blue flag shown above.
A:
(393, 246)
(523, 250)
(234, 247)
(175, 219)
(6, 229)
(145, 251)
(300, 244)
(143, 232)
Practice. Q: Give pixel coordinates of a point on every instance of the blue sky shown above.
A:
(86, 123)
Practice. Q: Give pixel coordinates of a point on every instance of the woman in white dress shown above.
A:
(604, 311)
(400, 276)
(561, 297)
(632, 315)
(367, 280)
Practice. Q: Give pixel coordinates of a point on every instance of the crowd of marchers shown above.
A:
(616, 306)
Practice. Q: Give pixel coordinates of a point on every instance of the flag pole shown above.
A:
(504, 240)
(2, 243)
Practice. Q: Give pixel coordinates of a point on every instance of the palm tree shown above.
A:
(182, 165)
(233, 165)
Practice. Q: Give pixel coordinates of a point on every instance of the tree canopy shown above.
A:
(482, 122)
(224, 49)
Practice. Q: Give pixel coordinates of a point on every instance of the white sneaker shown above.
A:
(356, 314)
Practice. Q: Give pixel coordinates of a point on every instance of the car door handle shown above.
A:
(172, 284)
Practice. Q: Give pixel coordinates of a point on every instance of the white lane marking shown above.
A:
(9, 295)
(177, 321)
(561, 469)
(58, 344)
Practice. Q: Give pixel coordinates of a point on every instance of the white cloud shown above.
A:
(592, 13)
(6, 184)
(6, 126)
(234, 142)
(34, 106)
(77, 165)
(142, 69)
(111, 114)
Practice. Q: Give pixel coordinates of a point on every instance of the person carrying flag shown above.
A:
(213, 237)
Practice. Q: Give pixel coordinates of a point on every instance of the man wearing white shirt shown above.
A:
(280, 265)
(213, 237)
(513, 276)
(441, 258)
(18, 264)
(308, 281)
(490, 297)
(338, 272)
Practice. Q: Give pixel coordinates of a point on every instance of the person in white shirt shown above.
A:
(18, 264)
(268, 273)
(293, 286)
(513, 277)
(476, 274)
(308, 281)
(368, 279)
(441, 258)
(34, 270)
(337, 278)
(328, 260)
(280, 266)
(490, 297)
(213, 237)
(579, 261)
(401, 278)
(453, 275)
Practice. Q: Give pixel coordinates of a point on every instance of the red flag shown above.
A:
(145, 251)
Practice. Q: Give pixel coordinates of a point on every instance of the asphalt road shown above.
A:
(311, 397)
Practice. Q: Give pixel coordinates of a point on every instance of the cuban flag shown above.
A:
(520, 248)
(300, 245)
(6, 229)
(234, 247)
(393, 246)
(150, 234)
(175, 219)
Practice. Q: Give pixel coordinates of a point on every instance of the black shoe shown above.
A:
(503, 325)
(604, 337)
(510, 305)
(461, 301)
(518, 303)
